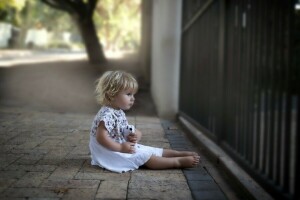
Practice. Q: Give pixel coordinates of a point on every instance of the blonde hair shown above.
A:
(111, 83)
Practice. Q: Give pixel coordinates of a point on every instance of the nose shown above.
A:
(132, 98)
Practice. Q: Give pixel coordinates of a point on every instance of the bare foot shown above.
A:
(189, 153)
(173, 153)
(188, 161)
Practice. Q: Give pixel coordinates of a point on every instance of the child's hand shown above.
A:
(132, 138)
(127, 147)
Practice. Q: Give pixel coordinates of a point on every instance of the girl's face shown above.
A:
(124, 99)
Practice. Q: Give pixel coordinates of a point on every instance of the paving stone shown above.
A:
(50, 143)
(5, 183)
(70, 183)
(54, 161)
(88, 168)
(79, 151)
(158, 176)
(7, 159)
(29, 159)
(112, 190)
(103, 176)
(84, 194)
(30, 193)
(158, 184)
(198, 177)
(209, 195)
(203, 185)
(67, 169)
(32, 168)
(158, 193)
(6, 148)
(32, 179)
(12, 174)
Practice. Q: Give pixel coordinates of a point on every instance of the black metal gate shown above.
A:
(240, 84)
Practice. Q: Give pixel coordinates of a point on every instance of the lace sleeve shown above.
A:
(108, 120)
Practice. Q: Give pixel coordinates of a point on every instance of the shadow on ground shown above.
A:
(66, 87)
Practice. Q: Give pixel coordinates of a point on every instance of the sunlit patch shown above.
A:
(10, 58)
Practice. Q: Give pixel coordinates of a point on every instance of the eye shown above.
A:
(129, 94)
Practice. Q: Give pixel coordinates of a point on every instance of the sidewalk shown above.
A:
(46, 111)
(46, 155)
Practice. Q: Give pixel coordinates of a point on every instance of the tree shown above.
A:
(120, 23)
(81, 11)
(10, 10)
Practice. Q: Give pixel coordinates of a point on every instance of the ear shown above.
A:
(109, 98)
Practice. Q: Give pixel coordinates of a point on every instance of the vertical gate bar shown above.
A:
(242, 82)
(182, 72)
(214, 73)
(232, 78)
(248, 109)
(297, 149)
(199, 69)
(193, 57)
(227, 67)
(244, 77)
(254, 82)
(251, 118)
(215, 110)
(206, 68)
(275, 97)
(268, 88)
(286, 166)
(279, 65)
(272, 91)
(191, 67)
(232, 105)
(238, 78)
(202, 69)
(245, 90)
(265, 89)
(262, 89)
(220, 118)
(296, 37)
(258, 84)
(247, 75)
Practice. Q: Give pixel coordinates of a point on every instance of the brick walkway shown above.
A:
(44, 150)
(46, 155)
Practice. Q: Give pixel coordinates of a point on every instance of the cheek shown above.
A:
(124, 99)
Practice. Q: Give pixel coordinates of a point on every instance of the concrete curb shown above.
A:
(254, 190)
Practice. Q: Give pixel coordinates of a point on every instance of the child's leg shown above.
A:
(156, 162)
(174, 153)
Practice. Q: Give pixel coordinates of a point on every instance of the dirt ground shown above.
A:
(66, 86)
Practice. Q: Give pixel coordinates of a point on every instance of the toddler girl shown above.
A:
(111, 146)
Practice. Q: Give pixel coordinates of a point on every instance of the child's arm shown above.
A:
(103, 138)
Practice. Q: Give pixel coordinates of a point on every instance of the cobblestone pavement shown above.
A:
(44, 135)
(46, 155)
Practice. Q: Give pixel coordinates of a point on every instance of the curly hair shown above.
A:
(111, 83)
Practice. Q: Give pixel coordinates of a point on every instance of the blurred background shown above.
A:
(56, 25)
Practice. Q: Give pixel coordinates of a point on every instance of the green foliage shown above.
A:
(15, 4)
(10, 9)
(119, 22)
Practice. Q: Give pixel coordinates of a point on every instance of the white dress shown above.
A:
(115, 122)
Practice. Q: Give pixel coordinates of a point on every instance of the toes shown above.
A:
(196, 160)
(195, 154)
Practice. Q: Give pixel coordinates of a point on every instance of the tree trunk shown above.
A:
(89, 35)
(145, 49)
